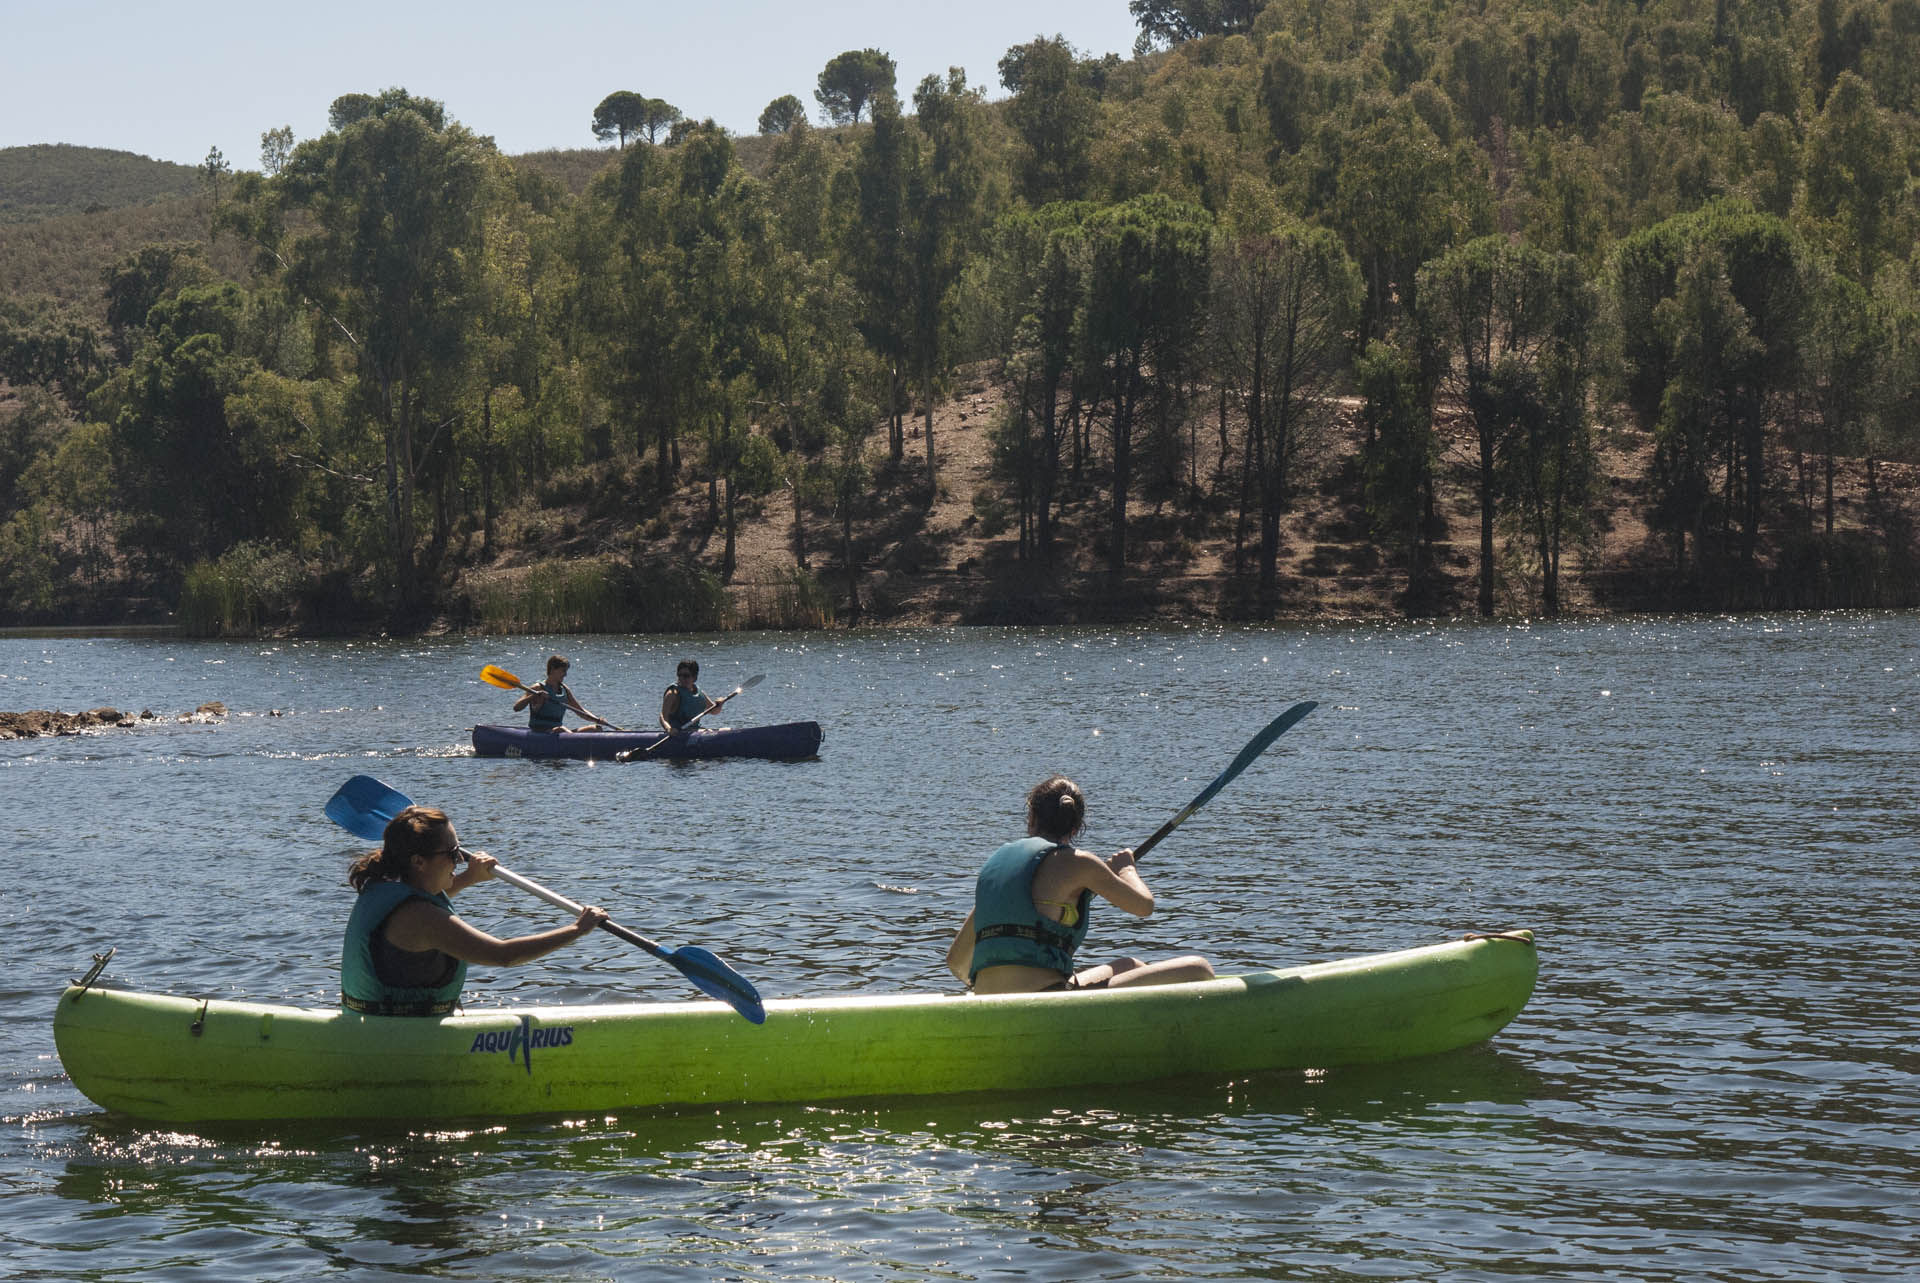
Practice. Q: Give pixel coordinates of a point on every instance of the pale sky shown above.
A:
(171, 80)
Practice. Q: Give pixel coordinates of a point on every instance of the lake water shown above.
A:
(1710, 823)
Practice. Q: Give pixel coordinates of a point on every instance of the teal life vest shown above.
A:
(1007, 929)
(363, 989)
(692, 704)
(547, 716)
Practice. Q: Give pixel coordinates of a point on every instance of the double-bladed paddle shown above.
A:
(627, 755)
(493, 675)
(1255, 747)
(364, 806)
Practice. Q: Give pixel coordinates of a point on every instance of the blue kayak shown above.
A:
(785, 740)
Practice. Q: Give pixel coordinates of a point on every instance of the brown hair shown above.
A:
(1056, 808)
(418, 830)
(689, 665)
(557, 661)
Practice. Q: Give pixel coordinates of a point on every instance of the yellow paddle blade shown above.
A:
(500, 677)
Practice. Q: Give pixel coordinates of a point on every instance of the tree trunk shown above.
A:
(1048, 472)
(926, 384)
(1123, 407)
(727, 557)
(1486, 523)
(486, 460)
(846, 558)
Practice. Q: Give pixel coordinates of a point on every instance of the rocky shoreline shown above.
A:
(40, 721)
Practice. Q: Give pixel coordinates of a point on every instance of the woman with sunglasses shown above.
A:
(406, 953)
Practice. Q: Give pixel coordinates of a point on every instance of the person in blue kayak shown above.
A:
(684, 700)
(1032, 901)
(406, 953)
(547, 703)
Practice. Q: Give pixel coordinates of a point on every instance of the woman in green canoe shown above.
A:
(1031, 906)
(406, 953)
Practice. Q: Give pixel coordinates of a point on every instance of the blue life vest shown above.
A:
(692, 704)
(1007, 929)
(547, 716)
(361, 987)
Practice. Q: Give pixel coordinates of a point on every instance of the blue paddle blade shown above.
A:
(717, 980)
(364, 806)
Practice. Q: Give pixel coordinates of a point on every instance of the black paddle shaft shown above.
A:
(1255, 747)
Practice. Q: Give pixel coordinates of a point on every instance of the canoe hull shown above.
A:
(192, 1060)
(782, 740)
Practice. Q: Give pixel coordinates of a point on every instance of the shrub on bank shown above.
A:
(251, 585)
(601, 596)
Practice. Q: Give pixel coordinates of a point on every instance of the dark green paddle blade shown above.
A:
(1255, 747)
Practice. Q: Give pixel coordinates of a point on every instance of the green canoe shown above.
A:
(201, 1060)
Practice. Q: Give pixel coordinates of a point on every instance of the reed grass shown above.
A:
(602, 596)
(794, 599)
(234, 595)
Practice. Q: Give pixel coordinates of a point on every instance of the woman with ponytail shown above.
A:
(1031, 906)
(406, 954)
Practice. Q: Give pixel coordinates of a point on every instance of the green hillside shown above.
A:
(1531, 306)
(48, 180)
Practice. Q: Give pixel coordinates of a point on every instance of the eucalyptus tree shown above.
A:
(1284, 302)
(875, 232)
(1147, 263)
(1400, 458)
(1845, 352)
(1037, 270)
(197, 476)
(717, 218)
(627, 271)
(1400, 198)
(41, 347)
(137, 281)
(1499, 313)
(1857, 180)
(1551, 470)
(1713, 310)
(945, 194)
(799, 180)
(854, 82)
(524, 374)
(377, 225)
(1714, 357)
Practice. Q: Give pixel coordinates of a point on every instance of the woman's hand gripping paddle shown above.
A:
(960, 955)
(493, 675)
(364, 806)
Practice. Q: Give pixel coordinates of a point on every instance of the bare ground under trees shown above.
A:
(949, 561)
